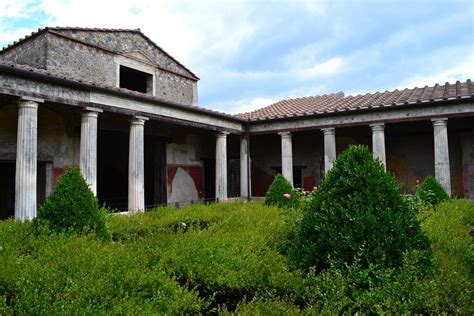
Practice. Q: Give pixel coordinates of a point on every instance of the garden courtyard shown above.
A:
(271, 257)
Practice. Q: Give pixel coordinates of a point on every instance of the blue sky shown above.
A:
(249, 54)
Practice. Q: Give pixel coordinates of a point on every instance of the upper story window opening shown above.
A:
(136, 80)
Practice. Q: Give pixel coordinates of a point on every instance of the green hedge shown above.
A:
(223, 258)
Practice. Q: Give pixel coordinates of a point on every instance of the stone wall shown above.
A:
(76, 60)
(79, 61)
(128, 42)
(32, 52)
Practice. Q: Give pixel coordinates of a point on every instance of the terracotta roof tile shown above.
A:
(337, 102)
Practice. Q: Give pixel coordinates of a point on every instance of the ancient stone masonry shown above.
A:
(29, 52)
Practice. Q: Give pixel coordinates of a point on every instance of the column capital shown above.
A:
(377, 127)
(443, 121)
(286, 134)
(329, 131)
(222, 134)
(31, 99)
(91, 109)
(138, 120)
(27, 104)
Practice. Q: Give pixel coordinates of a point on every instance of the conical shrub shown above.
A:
(430, 192)
(358, 215)
(73, 206)
(281, 193)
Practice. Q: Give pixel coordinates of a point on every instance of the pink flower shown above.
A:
(315, 188)
(417, 181)
(287, 196)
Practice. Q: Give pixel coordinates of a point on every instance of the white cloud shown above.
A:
(329, 67)
(255, 103)
(460, 72)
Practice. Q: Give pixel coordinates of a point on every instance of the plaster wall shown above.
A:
(265, 153)
(467, 148)
(54, 144)
(185, 172)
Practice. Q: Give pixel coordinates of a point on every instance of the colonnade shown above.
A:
(26, 159)
(441, 150)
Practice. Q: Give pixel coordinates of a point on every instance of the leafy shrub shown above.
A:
(73, 206)
(450, 229)
(358, 215)
(430, 192)
(70, 274)
(281, 193)
(233, 258)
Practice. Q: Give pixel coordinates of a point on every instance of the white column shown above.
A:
(49, 179)
(221, 166)
(26, 160)
(441, 153)
(329, 147)
(136, 165)
(88, 149)
(286, 156)
(244, 168)
(378, 143)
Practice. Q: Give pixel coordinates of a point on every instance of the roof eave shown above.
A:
(86, 86)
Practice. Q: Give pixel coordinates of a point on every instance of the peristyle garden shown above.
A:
(356, 244)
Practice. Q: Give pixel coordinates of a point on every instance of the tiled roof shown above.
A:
(338, 103)
(67, 28)
(26, 70)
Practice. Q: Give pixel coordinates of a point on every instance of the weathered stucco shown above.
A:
(185, 172)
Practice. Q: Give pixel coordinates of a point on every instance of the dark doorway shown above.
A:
(112, 170)
(7, 189)
(155, 172)
(209, 179)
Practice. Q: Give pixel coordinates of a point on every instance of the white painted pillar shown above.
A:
(26, 160)
(378, 143)
(244, 168)
(136, 164)
(329, 147)
(221, 166)
(286, 156)
(88, 148)
(49, 179)
(441, 153)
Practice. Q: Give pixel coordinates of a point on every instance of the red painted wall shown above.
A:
(196, 173)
